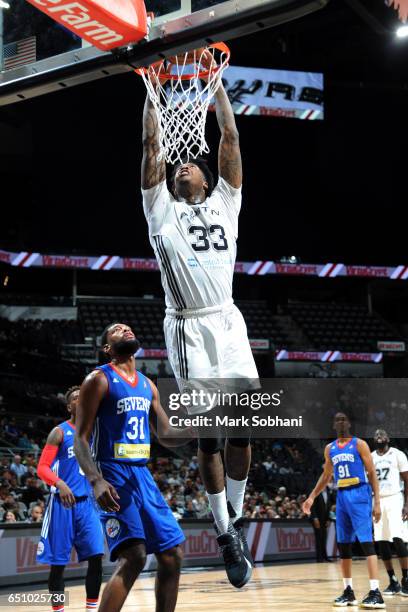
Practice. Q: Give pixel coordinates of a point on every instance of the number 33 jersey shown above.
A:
(388, 467)
(121, 431)
(195, 245)
(348, 465)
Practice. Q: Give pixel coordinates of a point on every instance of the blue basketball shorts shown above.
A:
(143, 513)
(64, 528)
(354, 514)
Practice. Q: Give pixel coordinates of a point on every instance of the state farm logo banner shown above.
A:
(284, 93)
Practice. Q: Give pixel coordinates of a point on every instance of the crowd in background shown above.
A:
(276, 486)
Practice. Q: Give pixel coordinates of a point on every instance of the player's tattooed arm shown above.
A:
(367, 459)
(322, 483)
(153, 171)
(166, 434)
(229, 153)
(93, 390)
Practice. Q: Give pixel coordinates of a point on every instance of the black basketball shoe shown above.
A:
(392, 589)
(373, 600)
(404, 587)
(239, 528)
(238, 568)
(346, 599)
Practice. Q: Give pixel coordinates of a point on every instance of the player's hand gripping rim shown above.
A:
(105, 495)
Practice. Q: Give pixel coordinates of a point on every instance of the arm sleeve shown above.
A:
(44, 470)
(402, 462)
(155, 203)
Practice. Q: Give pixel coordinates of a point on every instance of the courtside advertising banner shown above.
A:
(268, 540)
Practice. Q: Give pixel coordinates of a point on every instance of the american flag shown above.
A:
(19, 53)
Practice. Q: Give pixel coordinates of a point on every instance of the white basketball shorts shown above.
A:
(391, 524)
(210, 343)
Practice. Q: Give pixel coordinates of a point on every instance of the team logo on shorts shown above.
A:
(121, 450)
(40, 548)
(112, 528)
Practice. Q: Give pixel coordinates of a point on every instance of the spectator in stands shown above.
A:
(18, 468)
(161, 370)
(24, 442)
(33, 492)
(34, 446)
(143, 368)
(189, 511)
(9, 517)
(270, 465)
(36, 514)
(10, 503)
(31, 473)
(11, 430)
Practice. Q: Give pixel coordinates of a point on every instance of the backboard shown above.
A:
(37, 55)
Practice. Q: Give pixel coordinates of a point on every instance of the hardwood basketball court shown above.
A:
(294, 587)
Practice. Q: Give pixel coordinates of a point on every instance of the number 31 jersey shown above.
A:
(388, 468)
(347, 463)
(121, 431)
(195, 245)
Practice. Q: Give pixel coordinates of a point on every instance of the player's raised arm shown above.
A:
(322, 483)
(229, 153)
(45, 472)
(153, 171)
(367, 459)
(93, 390)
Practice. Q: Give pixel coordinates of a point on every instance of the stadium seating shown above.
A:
(346, 327)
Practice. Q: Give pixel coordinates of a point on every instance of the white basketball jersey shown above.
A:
(388, 468)
(195, 245)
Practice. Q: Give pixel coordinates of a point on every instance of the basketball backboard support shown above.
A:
(38, 56)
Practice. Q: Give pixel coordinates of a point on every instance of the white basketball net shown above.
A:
(182, 105)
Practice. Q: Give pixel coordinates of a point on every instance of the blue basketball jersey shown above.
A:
(66, 466)
(348, 466)
(121, 431)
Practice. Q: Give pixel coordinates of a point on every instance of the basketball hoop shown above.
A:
(181, 89)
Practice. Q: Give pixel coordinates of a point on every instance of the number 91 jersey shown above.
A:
(121, 432)
(347, 463)
(194, 244)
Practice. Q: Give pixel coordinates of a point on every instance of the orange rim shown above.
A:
(165, 75)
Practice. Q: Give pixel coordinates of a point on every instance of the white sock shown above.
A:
(348, 582)
(219, 508)
(374, 584)
(235, 494)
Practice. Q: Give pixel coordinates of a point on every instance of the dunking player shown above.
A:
(116, 400)
(354, 472)
(71, 518)
(193, 230)
(391, 466)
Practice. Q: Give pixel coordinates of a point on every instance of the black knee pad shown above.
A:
(368, 548)
(385, 550)
(345, 551)
(400, 548)
(239, 442)
(209, 446)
